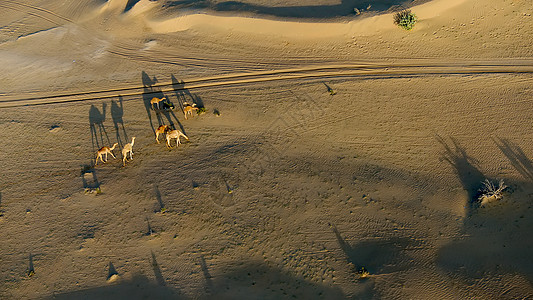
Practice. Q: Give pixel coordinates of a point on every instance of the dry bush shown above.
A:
(491, 192)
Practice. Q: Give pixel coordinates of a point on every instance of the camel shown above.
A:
(157, 101)
(127, 148)
(187, 109)
(175, 134)
(163, 129)
(105, 150)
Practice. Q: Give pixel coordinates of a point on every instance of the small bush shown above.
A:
(201, 110)
(490, 192)
(405, 19)
(363, 273)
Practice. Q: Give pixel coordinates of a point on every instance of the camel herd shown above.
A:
(161, 130)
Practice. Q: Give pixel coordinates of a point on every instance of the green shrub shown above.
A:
(201, 110)
(405, 19)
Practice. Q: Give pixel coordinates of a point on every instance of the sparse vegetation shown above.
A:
(201, 110)
(490, 192)
(363, 273)
(405, 19)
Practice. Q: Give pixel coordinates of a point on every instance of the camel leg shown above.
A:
(112, 155)
(131, 155)
(97, 159)
(157, 137)
(124, 160)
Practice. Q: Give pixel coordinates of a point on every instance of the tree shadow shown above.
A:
(150, 92)
(159, 199)
(157, 272)
(111, 270)
(96, 123)
(256, 280)
(117, 113)
(207, 276)
(345, 8)
(31, 268)
(251, 280)
(88, 177)
(138, 287)
(516, 156)
(378, 256)
(465, 167)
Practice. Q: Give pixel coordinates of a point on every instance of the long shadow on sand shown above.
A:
(467, 171)
(96, 124)
(88, 177)
(345, 8)
(149, 92)
(494, 238)
(117, 113)
(376, 255)
(252, 280)
(494, 241)
(516, 156)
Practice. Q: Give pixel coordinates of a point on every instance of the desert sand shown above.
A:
(283, 190)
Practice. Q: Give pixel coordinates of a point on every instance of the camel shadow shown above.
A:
(466, 169)
(117, 113)
(96, 123)
(516, 156)
(149, 92)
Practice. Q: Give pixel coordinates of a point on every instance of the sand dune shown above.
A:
(330, 142)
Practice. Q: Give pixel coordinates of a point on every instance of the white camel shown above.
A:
(175, 134)
(128, 148)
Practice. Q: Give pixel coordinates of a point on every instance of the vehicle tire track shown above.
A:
(331, 71)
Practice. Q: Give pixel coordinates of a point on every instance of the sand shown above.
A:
(283, 189)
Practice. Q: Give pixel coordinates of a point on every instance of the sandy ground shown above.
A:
(283, 190)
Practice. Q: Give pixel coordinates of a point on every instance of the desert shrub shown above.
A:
(201, 110)
(490, 192)
(405, 19)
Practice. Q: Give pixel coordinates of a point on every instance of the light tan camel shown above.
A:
(163, 129)
(175, 134)
(187, 109)
(156, 100)
(127, 148)
(104, 151)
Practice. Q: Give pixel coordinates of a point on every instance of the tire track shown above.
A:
(332, 71)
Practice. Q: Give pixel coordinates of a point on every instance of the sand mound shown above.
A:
(305, 30)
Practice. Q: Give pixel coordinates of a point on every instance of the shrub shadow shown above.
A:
(88, 177)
